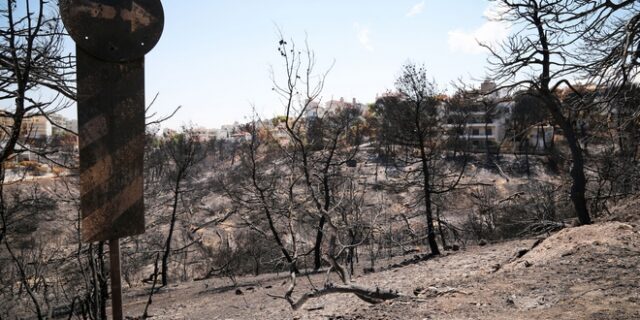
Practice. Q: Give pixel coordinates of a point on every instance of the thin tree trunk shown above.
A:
(431, 235)
(317, 248)
(145, 314)
(578, 188)
(167, 247)
(579, 181)
(267, 211)
(276, 237)
(444, 243)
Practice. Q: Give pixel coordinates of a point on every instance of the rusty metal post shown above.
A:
(112, 37)
(112, 133)
(116, 282)
(111, 127)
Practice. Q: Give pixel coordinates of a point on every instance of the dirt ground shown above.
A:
(589, 272)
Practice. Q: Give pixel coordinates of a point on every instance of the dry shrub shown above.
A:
(537, 208)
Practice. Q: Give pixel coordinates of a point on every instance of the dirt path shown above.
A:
(590, 272)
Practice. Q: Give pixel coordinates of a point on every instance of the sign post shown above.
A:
(112, 37)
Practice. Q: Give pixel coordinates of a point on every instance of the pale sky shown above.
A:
(214, 57)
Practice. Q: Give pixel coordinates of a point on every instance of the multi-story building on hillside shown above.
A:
(39, 126)
(62, 125)
(487, 126)
(52, 134)
(204, 134)
(315, 110)
(32, 127)
(335, 106)
(485, 121)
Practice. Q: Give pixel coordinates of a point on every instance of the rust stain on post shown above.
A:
(95, 10)
(112, 37)
(120, 213)
(137, 16)
(93, 130)
(111, 30)
(97, 175)
(111, 115)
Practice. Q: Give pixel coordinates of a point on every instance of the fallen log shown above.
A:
(373, 296)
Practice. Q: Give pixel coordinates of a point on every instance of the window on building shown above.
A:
(489, 131)
(475, 132)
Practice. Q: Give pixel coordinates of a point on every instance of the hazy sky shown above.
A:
(214, 57)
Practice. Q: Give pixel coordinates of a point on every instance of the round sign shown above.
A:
(114, 30)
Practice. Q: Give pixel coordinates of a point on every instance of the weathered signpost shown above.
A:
(112, 37)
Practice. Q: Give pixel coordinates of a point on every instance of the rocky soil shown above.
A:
(589, 272)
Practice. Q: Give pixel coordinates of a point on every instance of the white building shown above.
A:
(61, 121)
(314, 110)
(204, 134)
(481, 128)
(39, 126)
(337, 105)
(226, 131)
(35, 127)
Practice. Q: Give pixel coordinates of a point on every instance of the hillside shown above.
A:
(588, 272)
